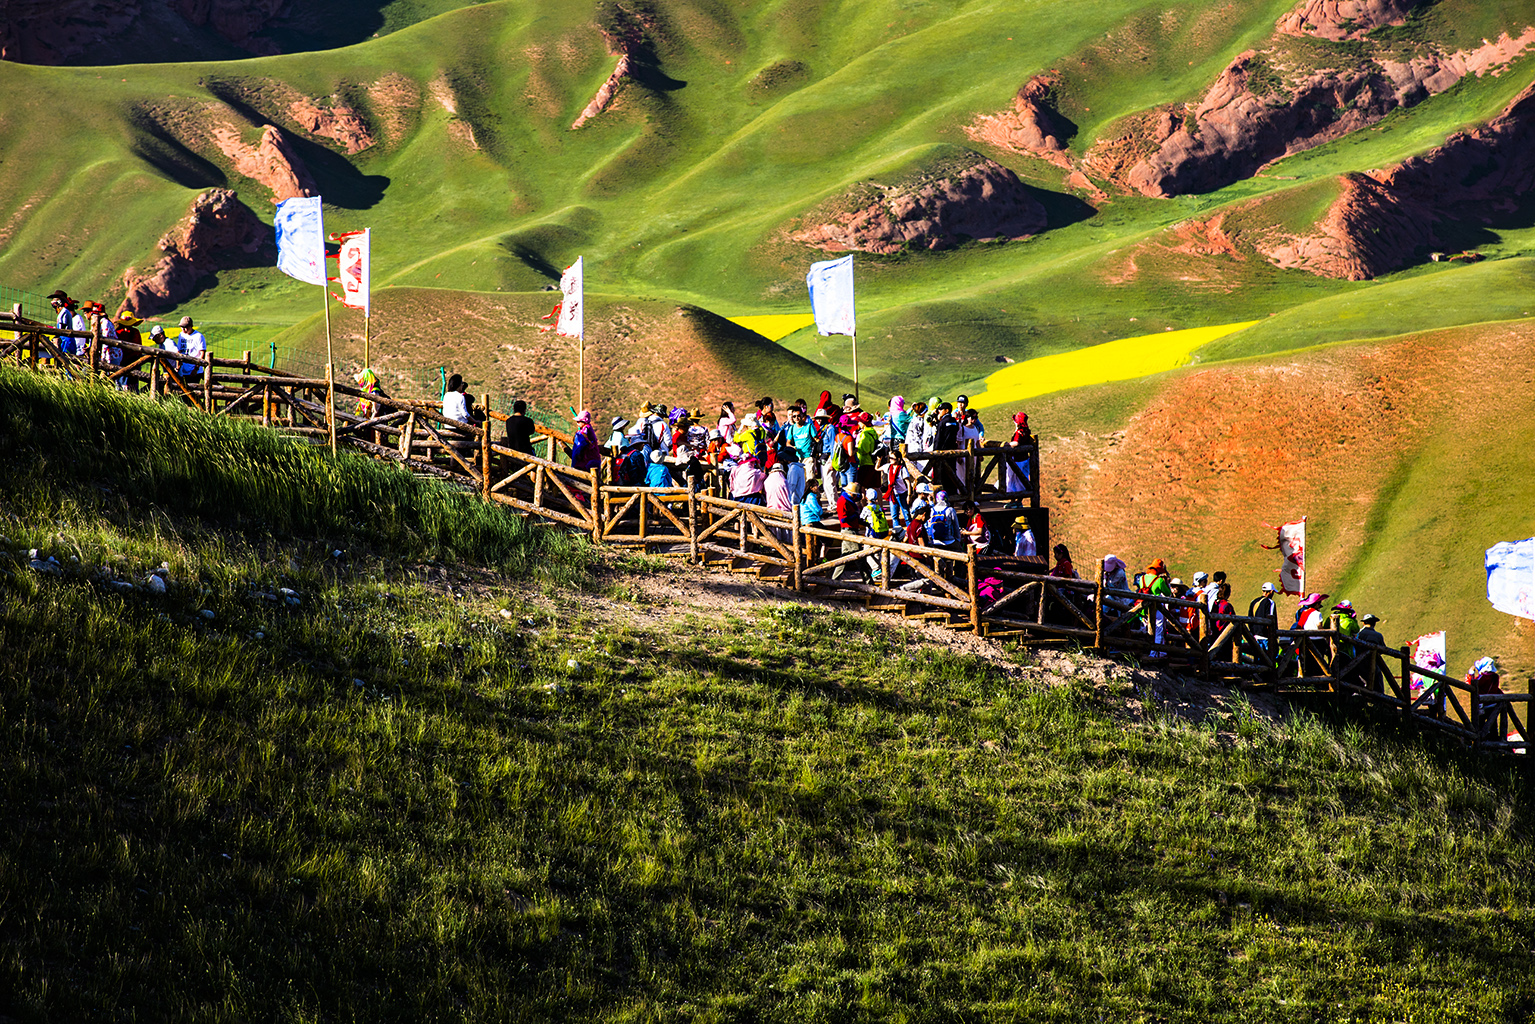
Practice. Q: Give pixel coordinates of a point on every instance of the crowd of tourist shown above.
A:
(114, 331)
(839, 466)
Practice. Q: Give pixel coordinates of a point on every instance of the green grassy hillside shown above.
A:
(465, 778)
(682, 191)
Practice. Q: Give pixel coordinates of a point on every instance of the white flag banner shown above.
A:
(1511, 577)
(831, 296)
(356, 281)
(572, 321)
(301, 239)
(1292, 557)
(1428, 652)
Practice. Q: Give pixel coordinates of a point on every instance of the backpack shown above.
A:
(696, 440)
(631, 468)
(942, 527)
(990, 589)
(840, 459)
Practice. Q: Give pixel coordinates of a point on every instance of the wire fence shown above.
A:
(33, 305)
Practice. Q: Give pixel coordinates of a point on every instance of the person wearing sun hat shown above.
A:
(1157, 585)
(1344, 620)
(1308, 614)
(1024, 544)
(1368, 633)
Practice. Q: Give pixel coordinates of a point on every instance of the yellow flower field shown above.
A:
(1124, 359)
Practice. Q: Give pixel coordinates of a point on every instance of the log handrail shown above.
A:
(1259, 651)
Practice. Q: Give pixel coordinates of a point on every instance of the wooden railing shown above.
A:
(993, 596)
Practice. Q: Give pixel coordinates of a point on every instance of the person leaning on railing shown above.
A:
(128, 333)
(1221, 614)
(520, 429)
(191, 342)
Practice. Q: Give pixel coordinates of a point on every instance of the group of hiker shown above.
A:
(827, 448)
(71, 314)
(837, 466)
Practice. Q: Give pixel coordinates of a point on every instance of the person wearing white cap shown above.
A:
(1262, 606)
(656, 473)
(1200, 589)
(191, 343)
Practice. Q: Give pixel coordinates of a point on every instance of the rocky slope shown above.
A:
(1340, 20)
(1257, 112)
(1368, 231)
(975, 199)
(1379, 222)
(218, 232)
(1271, 101)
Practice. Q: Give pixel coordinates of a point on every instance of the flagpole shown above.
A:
(330, 373)
(367, 335)
(581, 364)
(856, 396)
(1304, 549)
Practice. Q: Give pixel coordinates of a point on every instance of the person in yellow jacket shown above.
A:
(1346, 623)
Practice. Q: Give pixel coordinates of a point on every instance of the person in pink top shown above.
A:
(746, 482)
(776, 488)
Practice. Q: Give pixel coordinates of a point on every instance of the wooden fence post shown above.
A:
(408, 435)
(154, 376)
(1406, 678)
(693, 519)
(330, 403)
(1098, 612)
(485, 457)
(596, 504)
(975, 594)
(798, 572)
(208, 383)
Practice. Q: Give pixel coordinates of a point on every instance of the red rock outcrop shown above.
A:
(625, 35)
(56, 31)
(338, 122)
(1370, 229)
(1344, 19)
(271, 162)
(1378, 223)
(1487, 168)
(1033, 127)
(1246, 121)
(215, 233)
(983, 201)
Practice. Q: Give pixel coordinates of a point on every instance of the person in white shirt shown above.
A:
(454, 407)
(191, 343)
(1024, 544)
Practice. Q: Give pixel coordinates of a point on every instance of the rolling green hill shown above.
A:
(682, 191)
(739, 123)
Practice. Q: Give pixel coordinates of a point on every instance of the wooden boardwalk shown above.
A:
(700, 524)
